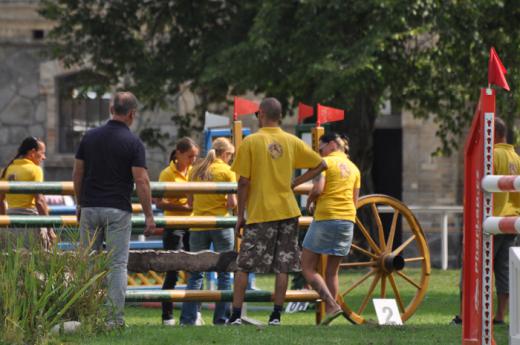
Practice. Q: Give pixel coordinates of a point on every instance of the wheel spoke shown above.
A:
(364, 251)
(383, 286)
(360, 281)
(381, 232)
(391, 235)
(359, 264)
(397, 295)
(369, 239)
(369, 294)
(403, 245)
(408, 279)
(419, 258)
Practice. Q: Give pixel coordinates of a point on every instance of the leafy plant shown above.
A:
(40, 289)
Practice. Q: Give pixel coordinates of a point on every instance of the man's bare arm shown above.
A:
(309, 174)
(142, 186)
(77, 178)
(242, 195)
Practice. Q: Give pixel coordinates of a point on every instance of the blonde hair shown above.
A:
(218, 148)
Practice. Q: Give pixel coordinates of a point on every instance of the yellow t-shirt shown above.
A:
(22, 170)
(171, 174)
(506, 162)
(213, 204)
(337, 199)
(268, 159)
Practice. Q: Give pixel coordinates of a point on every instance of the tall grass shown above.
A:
(40, 289)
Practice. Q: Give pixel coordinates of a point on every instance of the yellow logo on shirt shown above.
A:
(275, 149)
(344, 171)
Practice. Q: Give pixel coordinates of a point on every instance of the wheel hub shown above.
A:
(391, 263)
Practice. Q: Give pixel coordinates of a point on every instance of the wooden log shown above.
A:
(179, 260)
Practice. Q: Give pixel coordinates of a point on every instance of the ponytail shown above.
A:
(346, 148)
(201, 170)
(27, 145)
(218, 148)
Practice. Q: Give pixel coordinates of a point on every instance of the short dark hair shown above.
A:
(124, 102)
(500, 128)
(272, 108)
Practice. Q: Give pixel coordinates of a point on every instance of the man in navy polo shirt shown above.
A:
(109, 160)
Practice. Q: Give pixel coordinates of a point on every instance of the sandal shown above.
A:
(331, 317)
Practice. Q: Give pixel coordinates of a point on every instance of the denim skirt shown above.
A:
(329, 237)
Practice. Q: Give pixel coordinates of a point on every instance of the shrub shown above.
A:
(40, 289)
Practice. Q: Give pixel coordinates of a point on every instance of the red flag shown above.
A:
(304, 111)
(496, 70)
(244, 107)
(328, 114)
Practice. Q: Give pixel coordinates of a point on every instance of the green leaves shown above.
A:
(431, 54)
(39, 289)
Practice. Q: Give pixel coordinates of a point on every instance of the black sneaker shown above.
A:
(274, 319)
(456, 320)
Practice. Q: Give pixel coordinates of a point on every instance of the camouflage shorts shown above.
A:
(270, 247)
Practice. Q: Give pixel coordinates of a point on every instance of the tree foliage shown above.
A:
(429, 56)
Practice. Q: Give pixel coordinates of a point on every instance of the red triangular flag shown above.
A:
(496, 70)
(304, 111)
(244, 107)
(328, 114)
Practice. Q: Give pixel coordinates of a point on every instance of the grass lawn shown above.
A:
(429, 324)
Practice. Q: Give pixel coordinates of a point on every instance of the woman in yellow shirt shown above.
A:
(25, 166)
(333, 201)
(215, 168)
(181, 160)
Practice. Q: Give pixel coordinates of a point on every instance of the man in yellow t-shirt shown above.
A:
(505, 162)
(265, 163)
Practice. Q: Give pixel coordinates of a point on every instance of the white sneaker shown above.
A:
(199, 321)
(274, 322)
(170, 322)
(237, 322)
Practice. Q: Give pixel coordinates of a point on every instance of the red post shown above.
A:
(477, 308)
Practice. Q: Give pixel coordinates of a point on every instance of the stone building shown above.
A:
(37, 98)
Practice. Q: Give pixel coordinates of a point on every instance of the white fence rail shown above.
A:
(443, 212)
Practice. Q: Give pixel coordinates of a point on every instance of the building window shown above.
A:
(82, 105)
(38, 35)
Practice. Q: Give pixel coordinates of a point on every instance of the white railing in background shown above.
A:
(443, 211)
(514, 301)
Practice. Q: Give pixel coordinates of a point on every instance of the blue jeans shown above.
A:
(223, 241)
(114, 226)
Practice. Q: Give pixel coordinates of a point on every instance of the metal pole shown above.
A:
(444, 241)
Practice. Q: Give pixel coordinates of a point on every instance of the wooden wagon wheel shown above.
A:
(384, 263)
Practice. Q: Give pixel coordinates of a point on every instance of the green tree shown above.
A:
(426, 55)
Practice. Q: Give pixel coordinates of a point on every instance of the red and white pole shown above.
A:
(478, 247)
(501, 183)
